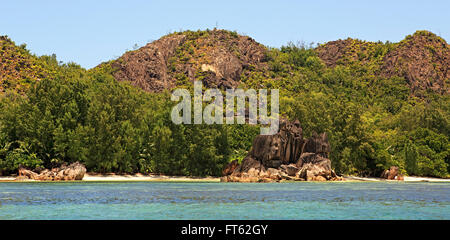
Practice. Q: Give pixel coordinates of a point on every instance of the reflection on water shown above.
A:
(150, 200)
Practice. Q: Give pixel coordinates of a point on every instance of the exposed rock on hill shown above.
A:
(220, 58)
(348, 51)
(284, 156)
(147, 67)
(423, 59)
(217, 57)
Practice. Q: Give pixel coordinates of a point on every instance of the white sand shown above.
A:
(7, 179)
(425, 179)
(406, 179)
(141, 177)
(89, 177)
(365, 179)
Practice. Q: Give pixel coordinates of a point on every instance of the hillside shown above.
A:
(216, 57)
(381, 104)
(19, 68)
(221, 58)
(422, 59)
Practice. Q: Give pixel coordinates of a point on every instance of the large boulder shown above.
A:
(74, 171)
(266, 150)
(284, 156)
(314, 162)
(291, 136)
(392, 174)
(229, 169)
(281, 148)
(318, 171)
(318, 144)
(290, 169)
(27, 174)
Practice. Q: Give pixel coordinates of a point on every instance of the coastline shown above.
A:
(94, 177)
(406, 179)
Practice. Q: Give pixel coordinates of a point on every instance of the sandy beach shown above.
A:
(92, 177)
(406, 179)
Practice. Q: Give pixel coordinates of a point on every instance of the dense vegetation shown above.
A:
(373, 122)
(110, 127)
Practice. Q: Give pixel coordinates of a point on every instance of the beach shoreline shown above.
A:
(95, 177)
(111, 177)
(406, 179)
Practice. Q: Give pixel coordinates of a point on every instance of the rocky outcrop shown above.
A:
(229, 169)
(147, 67)
(392, 174)
(216, 57)
(74, 171)
(422, 59)
(284, 156)
(341, 52)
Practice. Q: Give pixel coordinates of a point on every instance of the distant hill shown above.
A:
(423, 59)
(220, 58)
(217, 57)
(19, 68)
(381, 104)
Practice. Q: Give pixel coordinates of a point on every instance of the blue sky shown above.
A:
(90, 32)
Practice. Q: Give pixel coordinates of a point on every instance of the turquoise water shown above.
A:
(150, 200)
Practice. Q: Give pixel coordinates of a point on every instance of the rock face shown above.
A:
(229, 169)
(74, 171)
(147, 67)
(422, 59)
(217, 57)
(284, 156)
(392, 174)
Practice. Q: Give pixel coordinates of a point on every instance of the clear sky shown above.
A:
(89, 32)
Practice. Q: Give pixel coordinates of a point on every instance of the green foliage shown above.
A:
(297, 54)
(76, 115)
(411, 157)
(12, 160)
(372, 122)
(20, 69)
(108, 126)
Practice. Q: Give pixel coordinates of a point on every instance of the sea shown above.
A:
(229, 201)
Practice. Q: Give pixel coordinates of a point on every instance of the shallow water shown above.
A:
(158, 200)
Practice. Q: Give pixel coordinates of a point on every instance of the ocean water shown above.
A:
(159, 200)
